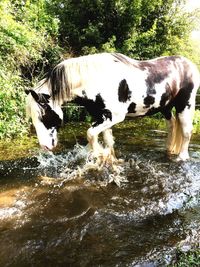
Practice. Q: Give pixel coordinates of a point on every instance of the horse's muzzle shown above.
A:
(46, 148)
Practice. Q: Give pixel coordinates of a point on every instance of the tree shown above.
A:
(139, 28)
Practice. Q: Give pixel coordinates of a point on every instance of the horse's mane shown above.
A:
(58, 84)
(124, 59)
(77, 72)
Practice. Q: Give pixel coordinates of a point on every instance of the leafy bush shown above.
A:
(186, 259)
(196, 121)
(25, 48)
(12, 115)
(139, 28)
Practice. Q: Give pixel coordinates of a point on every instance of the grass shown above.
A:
(187, 259)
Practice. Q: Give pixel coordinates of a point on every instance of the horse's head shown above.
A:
(46, 117)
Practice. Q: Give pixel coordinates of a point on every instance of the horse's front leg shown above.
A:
(92, 136)
(93, 143)
(109, 141)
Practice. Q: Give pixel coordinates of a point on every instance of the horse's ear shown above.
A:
(27, 91)
(34, 95)
(39, 98)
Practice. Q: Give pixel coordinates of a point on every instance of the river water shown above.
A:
(61, 210)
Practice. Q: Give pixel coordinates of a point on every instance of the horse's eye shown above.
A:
(44, 106)
(52, 131)
(42, 112)
(58, 126)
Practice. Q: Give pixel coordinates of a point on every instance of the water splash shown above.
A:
(80, 163)
(173, 184)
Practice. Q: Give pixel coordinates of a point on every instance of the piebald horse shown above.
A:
(112, 86)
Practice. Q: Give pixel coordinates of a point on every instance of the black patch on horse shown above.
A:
(181, 100)
(132, 108)
(186, 79)
(152, 111)
(124, 93)
(96, 108)
(157, 72)
(182, 97)
(50, 118)
(38, 97)
(148, 101)
(167, 113)
(153, 78)
(164, 98)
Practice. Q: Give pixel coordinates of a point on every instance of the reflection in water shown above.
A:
(61, 210)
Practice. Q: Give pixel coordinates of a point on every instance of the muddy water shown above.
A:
(61, 210)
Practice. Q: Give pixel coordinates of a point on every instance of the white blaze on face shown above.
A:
(47, 137)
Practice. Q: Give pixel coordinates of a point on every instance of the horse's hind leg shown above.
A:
(185, 119)
(170, 121)
(180, 127)
(179, 132)
(171, 127)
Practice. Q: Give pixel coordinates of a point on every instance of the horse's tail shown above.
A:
(58, 84)
(176, 137)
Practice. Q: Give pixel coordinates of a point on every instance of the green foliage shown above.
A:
(12, 115)
(26, 45)
(74, 113)
(188, 259)
(19, 43)
(139, 28)
(34, 14)
(196, 121)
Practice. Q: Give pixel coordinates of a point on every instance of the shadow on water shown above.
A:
(60, 210)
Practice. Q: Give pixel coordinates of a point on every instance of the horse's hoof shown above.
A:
(182, 158)
(119, 161)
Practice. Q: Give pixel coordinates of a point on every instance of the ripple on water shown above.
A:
(13, 203)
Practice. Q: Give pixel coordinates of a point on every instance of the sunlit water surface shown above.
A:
(61, 210)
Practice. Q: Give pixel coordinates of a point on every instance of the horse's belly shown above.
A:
(142, 110)
(137, 114)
